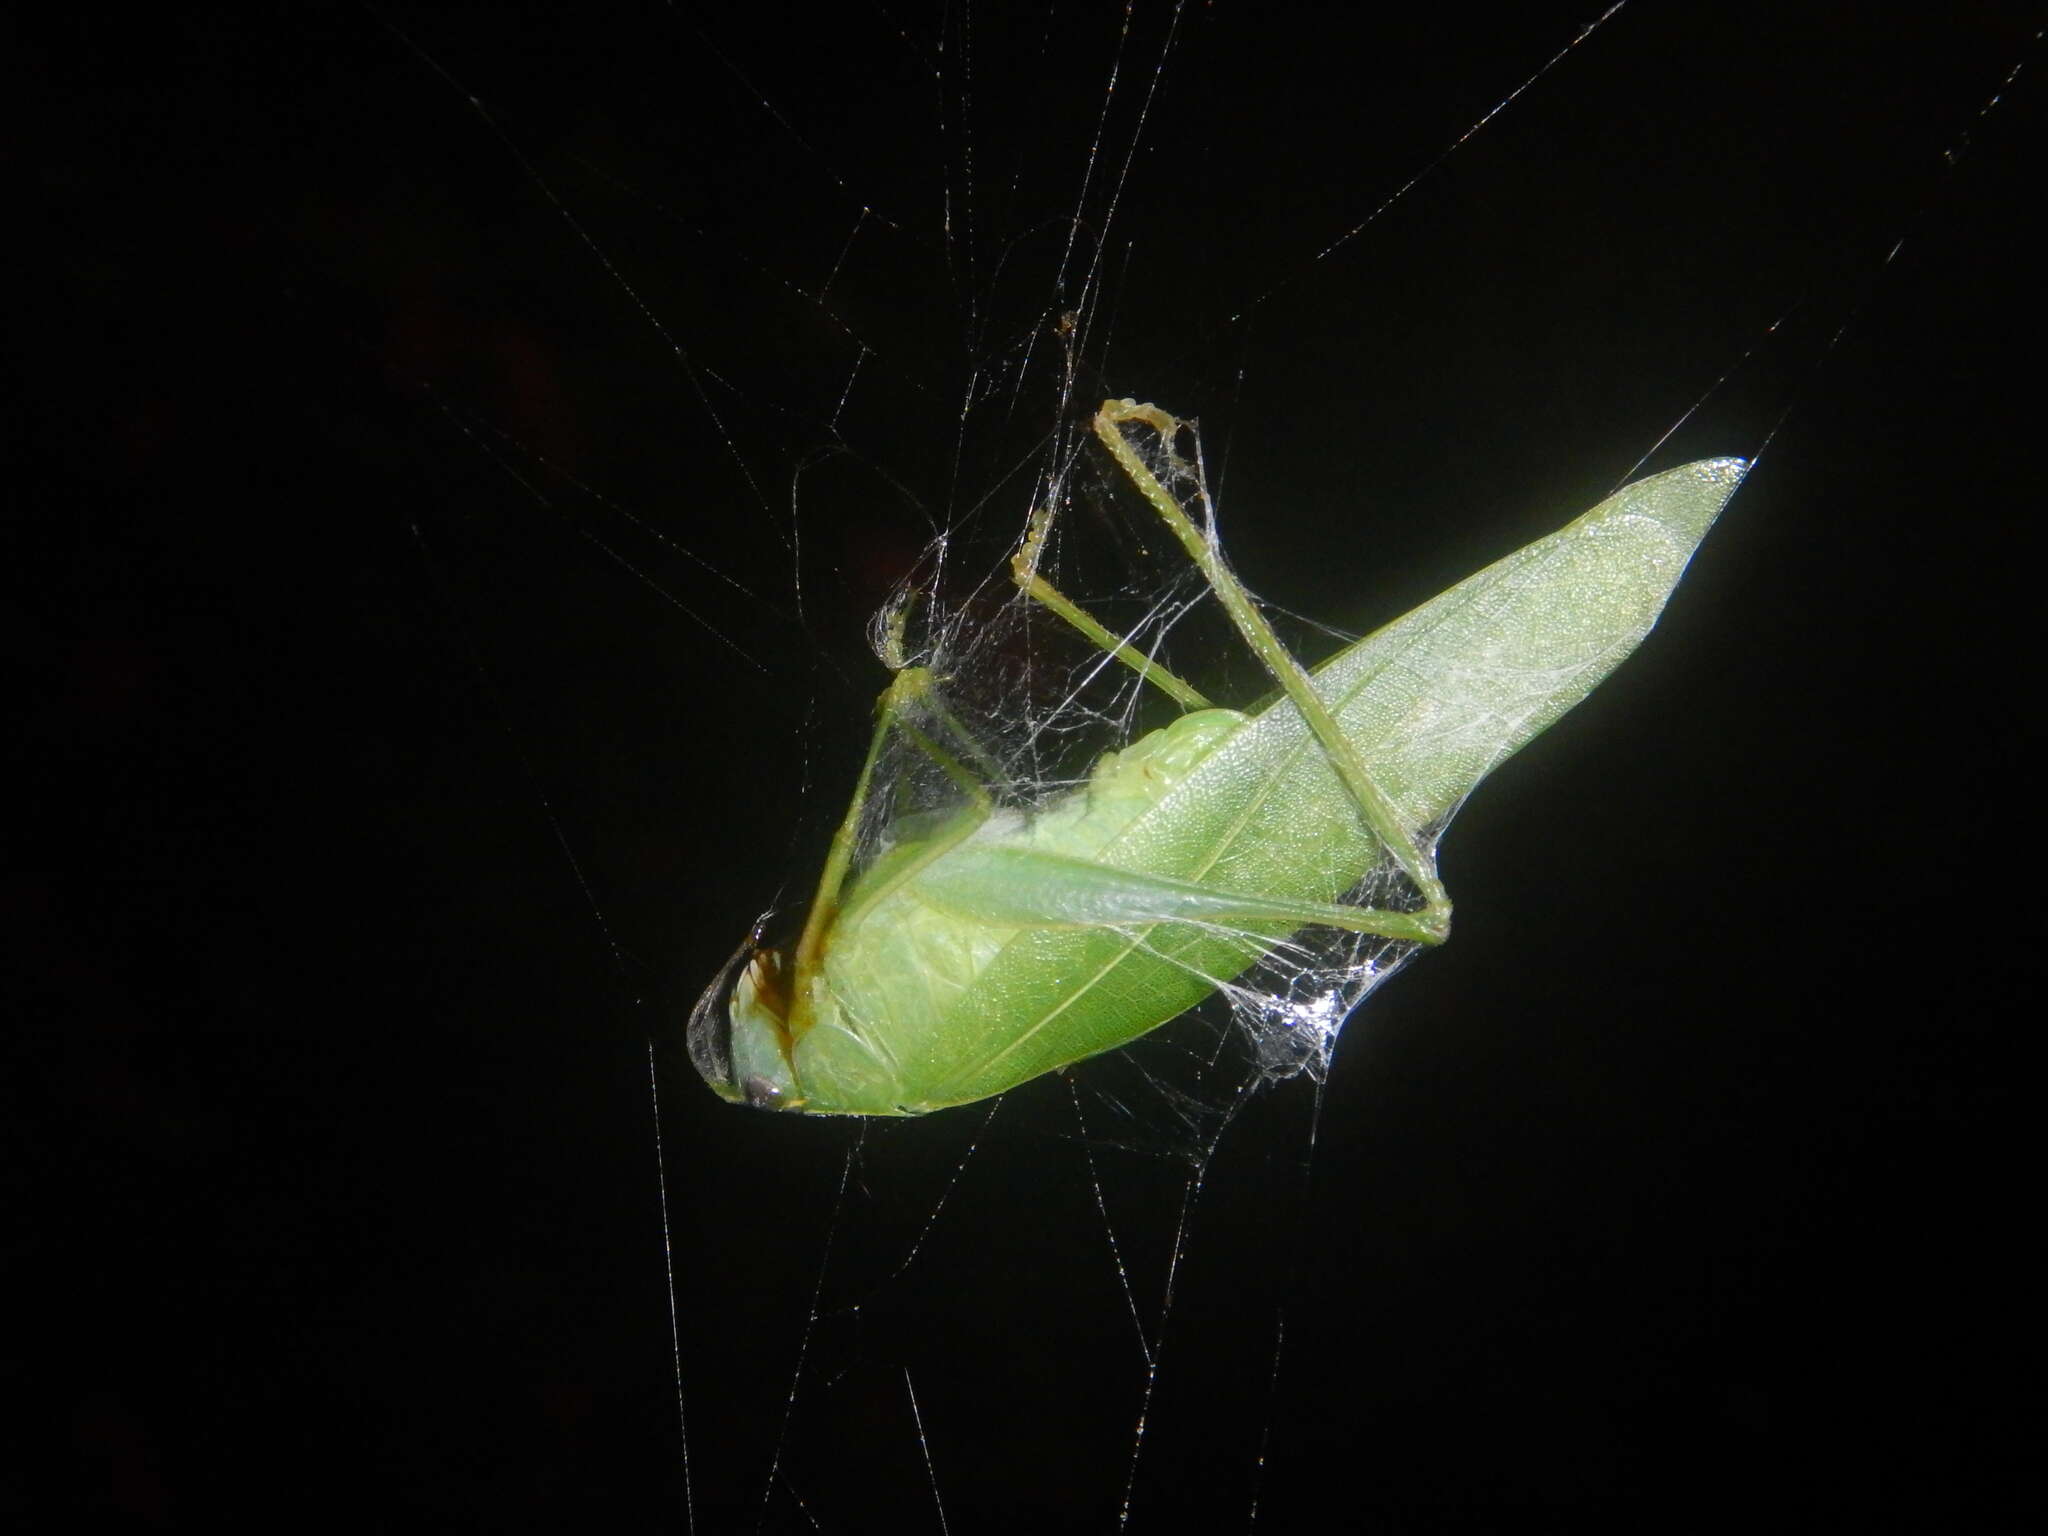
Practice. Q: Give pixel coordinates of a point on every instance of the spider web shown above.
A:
(759, 324)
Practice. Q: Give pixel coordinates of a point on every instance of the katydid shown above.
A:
(983, 947)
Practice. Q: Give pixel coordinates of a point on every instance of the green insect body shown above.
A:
(984, 947)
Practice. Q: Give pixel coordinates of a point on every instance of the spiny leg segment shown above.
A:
(1432, 923)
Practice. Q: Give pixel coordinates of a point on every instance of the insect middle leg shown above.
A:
(1024, 570)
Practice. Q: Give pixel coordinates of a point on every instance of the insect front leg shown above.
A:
(911, 688)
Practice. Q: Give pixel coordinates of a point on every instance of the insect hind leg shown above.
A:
(1379, 812)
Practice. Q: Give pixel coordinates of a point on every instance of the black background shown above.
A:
(1686, 1184)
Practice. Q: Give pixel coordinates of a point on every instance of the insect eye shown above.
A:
(754, 969)
(739, 1031)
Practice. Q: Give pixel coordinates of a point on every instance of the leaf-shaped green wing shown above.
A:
(936, 1004)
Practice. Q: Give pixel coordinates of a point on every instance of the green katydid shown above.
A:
(983, 947)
